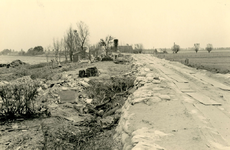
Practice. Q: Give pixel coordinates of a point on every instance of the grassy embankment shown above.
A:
(42, 71)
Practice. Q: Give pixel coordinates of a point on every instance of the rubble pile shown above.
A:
(13, 64)
(71, 97)
(84, 102)
(122, 59)
(106, 99)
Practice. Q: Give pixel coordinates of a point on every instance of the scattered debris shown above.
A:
(100, 105)
(121, 60)
(13, 64)
(107, 58)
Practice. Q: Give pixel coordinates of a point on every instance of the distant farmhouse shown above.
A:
(155, 51)
(97, 51)
(77, 56)
(125, 49)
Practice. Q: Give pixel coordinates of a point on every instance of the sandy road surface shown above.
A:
(198, 113)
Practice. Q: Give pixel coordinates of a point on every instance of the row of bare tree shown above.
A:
(74, 40)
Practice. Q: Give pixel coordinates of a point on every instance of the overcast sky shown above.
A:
(154, 23)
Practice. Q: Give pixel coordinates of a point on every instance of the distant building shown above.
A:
(82, 54)
(149, 51)
(155, 51)
(125, 49)
(77, 56)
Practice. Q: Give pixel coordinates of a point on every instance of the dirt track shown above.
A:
(197, 116)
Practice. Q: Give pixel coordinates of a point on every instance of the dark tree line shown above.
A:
(38, 50)
(5, 52)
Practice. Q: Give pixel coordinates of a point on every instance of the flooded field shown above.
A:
(27, 59)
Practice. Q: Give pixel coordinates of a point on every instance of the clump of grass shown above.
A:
(46, 72)
(86, 136)
(40, 65)
(42, 73)
(23, 71)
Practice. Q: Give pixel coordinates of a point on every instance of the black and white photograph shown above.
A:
(114, 74)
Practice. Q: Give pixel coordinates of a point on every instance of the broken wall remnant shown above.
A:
(81, 73)
(89, 72)
(115, 44)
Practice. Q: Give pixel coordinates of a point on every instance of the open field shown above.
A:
(218, 62)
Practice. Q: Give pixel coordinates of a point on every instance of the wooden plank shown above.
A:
(203, 99)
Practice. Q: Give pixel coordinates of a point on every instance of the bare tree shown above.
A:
(70, 42)
(138, 48)
(65, 48)
(82, 35)
(209, 47)
(197, 47)
(107, 43)
(47, 53)
(61, 51)
(175, 48)
(75, 40)
(56, 46)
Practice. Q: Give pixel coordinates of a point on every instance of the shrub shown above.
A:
(197, 47)
(175, 48)
(18, 99)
